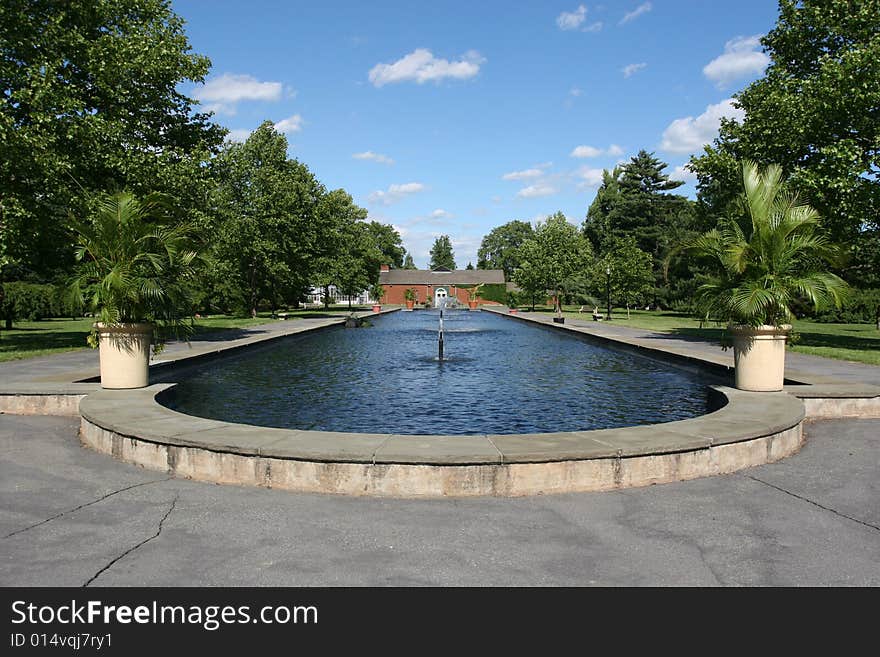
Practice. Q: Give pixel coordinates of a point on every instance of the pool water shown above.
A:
(499, 375)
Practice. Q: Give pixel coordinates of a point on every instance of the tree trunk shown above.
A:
(9, 323)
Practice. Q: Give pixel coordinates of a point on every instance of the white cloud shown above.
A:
(683, 173)
(592, 151)
(238, 135)
(421, 66)
(631, 69)
(689, 135)
(536, 191)
(290, 124)
(576, 92)
(742, 56)
(395, 193)
(593, 27)
(440, 213)
(586, 151)
(523, 175)
(224, 92)
(571, 20)
(590, 177)
(643, 8)
(374, 157)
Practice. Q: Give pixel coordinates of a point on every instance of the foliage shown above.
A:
(410, 294)
(30, 301)
(441, 254)
(631, 276)
(555, 252)
(815, 113)
(388, 241)
(494, 292)
(268, 231)
(474, 292)
(408, 262)
(861, 306)
(498, 249)
(767, 256)
(135, 266)
(91, 104)
(377, 291)
(633, 202)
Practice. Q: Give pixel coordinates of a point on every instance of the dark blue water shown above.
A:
(499, 376)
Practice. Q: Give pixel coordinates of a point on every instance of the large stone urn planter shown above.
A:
(759, 357)
(125, 355)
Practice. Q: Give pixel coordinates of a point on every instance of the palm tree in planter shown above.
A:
(410, 296)
(767, 256)
(473, 295)
(135, 274)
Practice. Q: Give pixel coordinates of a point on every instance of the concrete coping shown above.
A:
(139, 414)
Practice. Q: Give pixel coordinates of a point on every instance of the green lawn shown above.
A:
(50, 336)
(855, 342)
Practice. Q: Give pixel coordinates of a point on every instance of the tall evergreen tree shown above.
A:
(634, 202)
(441, 253)
(408, 262)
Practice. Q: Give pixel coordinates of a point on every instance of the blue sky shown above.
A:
(456, 117)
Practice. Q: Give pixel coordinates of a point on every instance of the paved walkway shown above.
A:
(77, 365)
(813, 369)
(73, 517)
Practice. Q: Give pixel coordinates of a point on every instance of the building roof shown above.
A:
(462, 277)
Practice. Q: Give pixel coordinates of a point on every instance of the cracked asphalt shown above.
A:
(72, 517)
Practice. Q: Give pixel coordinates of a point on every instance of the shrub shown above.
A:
(29, 301)
(861, 307)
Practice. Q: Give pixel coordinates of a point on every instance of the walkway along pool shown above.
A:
(497, 377)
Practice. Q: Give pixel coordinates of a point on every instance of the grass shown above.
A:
(852, 342)
(52, 336)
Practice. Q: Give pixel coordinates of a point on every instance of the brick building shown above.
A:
(435, 284)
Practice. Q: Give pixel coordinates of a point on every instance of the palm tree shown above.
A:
(134, 266)
(770, 255)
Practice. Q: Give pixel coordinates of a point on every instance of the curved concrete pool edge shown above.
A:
(752, 429)
(134, 427)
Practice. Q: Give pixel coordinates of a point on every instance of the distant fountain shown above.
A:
(440, 332)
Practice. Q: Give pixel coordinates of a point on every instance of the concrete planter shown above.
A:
(410, 304)
(377, 308)
(513, 311)
(472, 305)
(759, 357)
(125, 355)
(559, 320)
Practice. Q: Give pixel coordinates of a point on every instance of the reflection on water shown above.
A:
(497, 376)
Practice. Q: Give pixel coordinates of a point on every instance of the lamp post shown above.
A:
(608, 290)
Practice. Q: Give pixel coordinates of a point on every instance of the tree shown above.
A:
(134, 267)
(633, 202)
(408, 262)
(268, 234)
(441, 253)
(388, 241)
(555, 252)
(768, 256)
(91, 103)
(815, 113)
(626, 269)
(498, 249)
(349, 253)
(470, 266)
